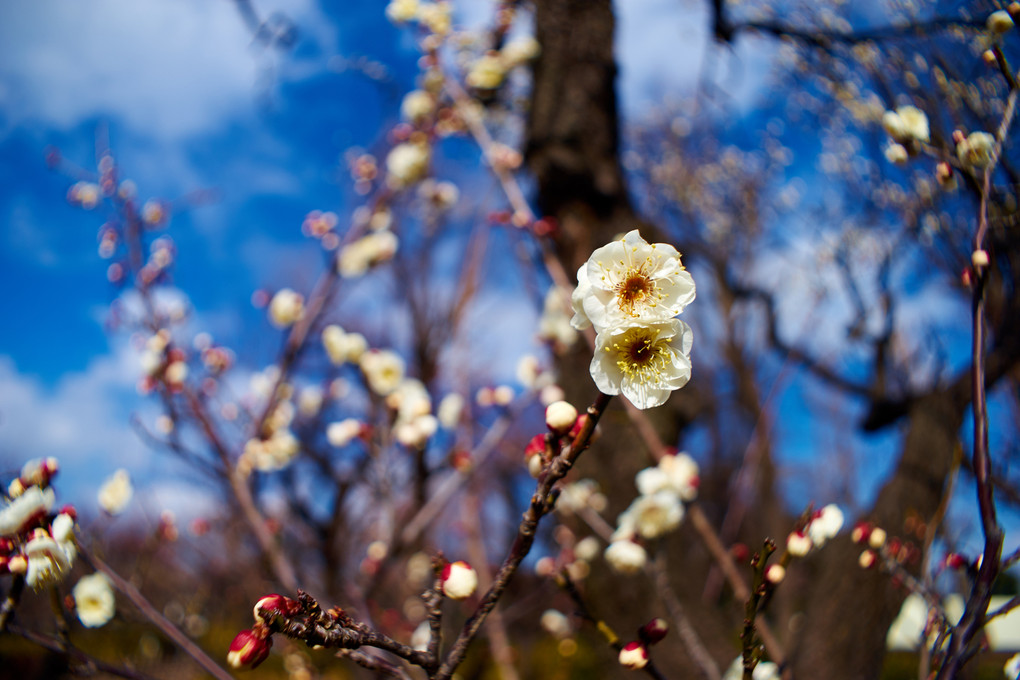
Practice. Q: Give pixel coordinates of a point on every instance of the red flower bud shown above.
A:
(654, 631)
(249, 649)
(274, 605)
(536, 445)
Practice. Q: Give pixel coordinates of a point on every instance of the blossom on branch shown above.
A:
(643, 361)
(94, 602)
(116, 492)
(630, 280)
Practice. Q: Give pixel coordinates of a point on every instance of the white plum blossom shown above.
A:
(487, 72)
(555, 325)
(630, 280)
(94, 602)
(341, 346)
(977, 150)
(906, 124)
(31, 505)
(48, 561)
(825, 525)
(999, 22)
(518, 51)
(310, 401)
(578, 495)
(399, 11)
(675, 472)
(626, 556)
(643, 361)
(285, 308)
(410, 400)
(798, 544)
(436, 16)
(407, 163)
(342, 433)
(416, 432)
(449, 411)
(116, 492)
(555, 623)
(896, 154)
(273, 453)
(654, 515)
(417, 105)
(587, 548)
(383, 369)
(357, 257)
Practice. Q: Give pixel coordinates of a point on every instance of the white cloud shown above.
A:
(84, 421)
(168, 65)
(174, 67)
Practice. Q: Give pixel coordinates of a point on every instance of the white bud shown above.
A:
(560, 416)
(459, 580)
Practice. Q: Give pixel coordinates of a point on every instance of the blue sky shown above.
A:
(189, 103)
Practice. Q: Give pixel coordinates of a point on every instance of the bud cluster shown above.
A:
(35, 541)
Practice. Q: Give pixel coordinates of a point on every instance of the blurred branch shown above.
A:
(90, 663)
(151, 613)
(582, 609)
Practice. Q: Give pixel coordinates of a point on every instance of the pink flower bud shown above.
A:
(249, 649)
(634, 655)
(459, 580)
(654, 631)
(560, 416)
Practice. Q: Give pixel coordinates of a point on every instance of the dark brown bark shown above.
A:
(573, 133)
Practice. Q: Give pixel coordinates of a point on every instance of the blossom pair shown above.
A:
(630, 291)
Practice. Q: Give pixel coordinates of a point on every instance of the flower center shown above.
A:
(640, 355)
(635, 288)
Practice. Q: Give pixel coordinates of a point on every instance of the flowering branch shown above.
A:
(752, 650)
(974, 614)
(334, 629)
(542, 502)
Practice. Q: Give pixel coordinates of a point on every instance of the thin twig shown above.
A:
(151, 613)
(688, 635)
